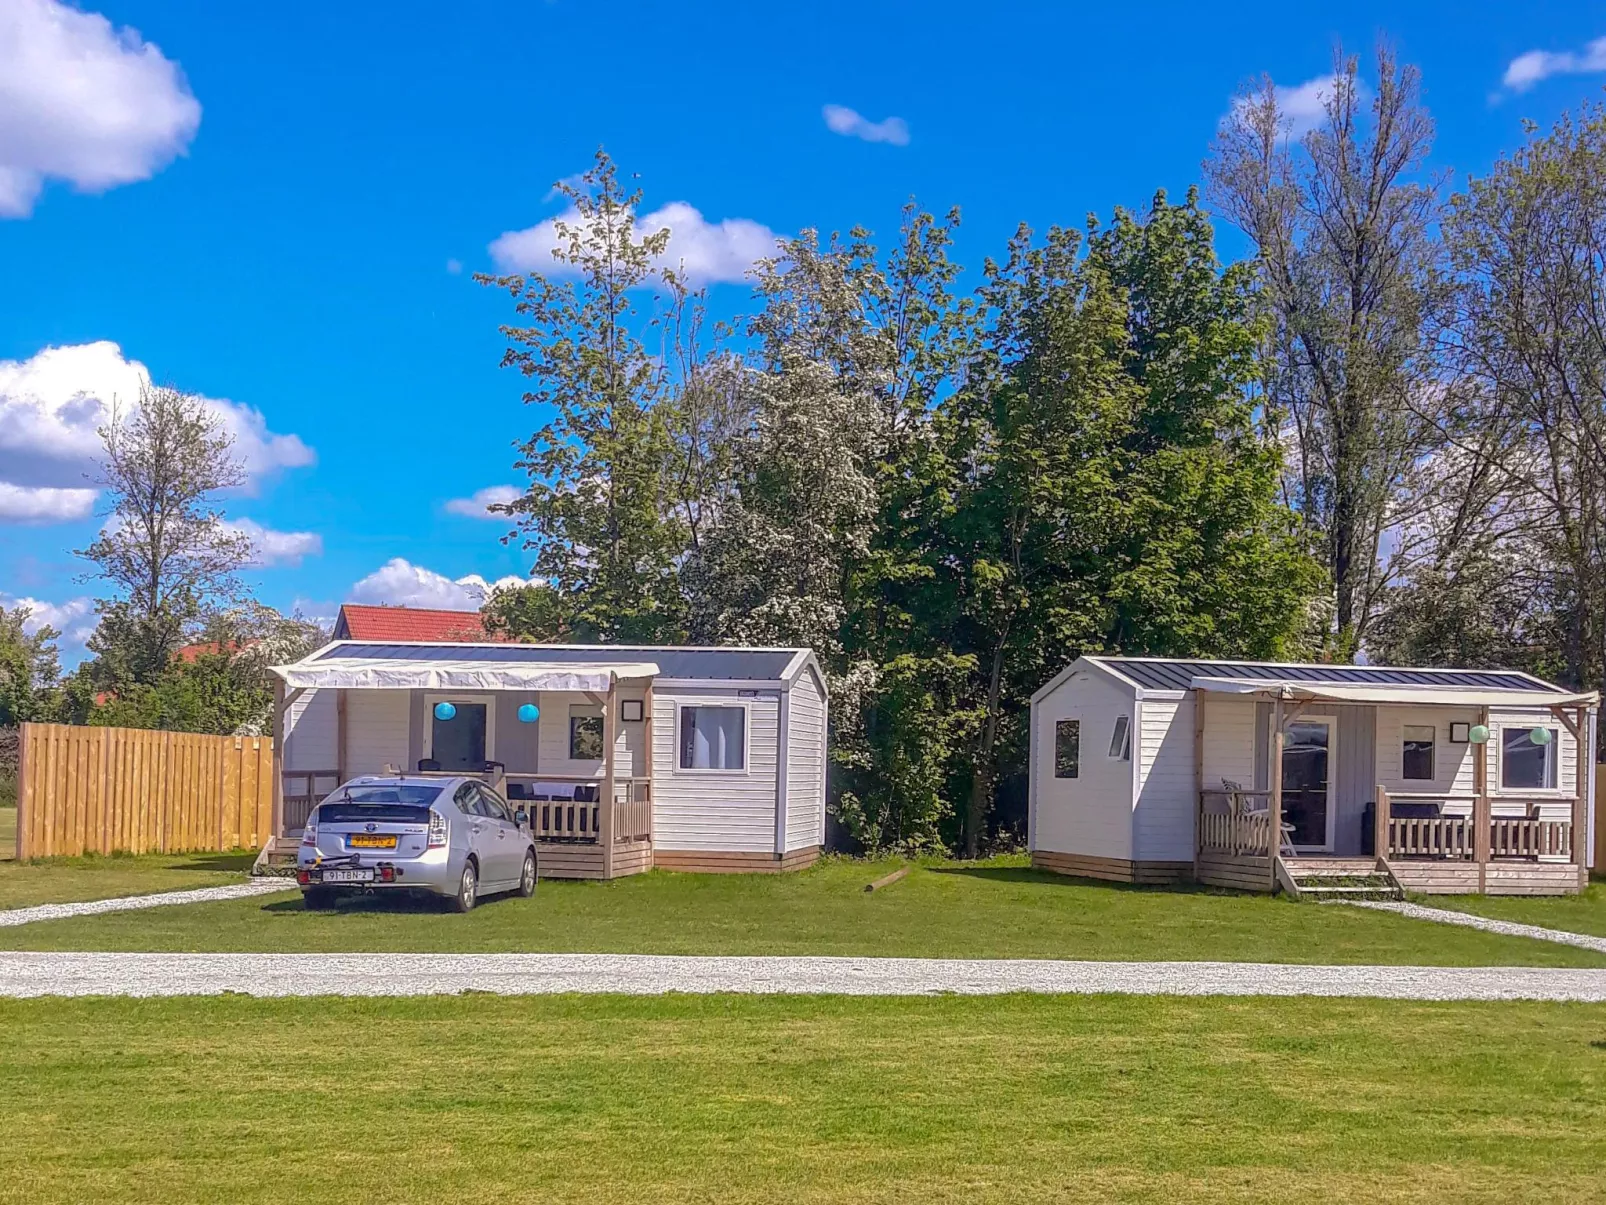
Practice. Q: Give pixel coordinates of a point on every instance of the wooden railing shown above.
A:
(1430, 837)
(1236, 823)
(566, 818)
(1527, 837)
(303, 791)
(1455, 838)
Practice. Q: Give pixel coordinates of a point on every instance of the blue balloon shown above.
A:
(444, 711)
(529, 713)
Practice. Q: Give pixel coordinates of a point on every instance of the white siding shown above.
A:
(715, 810)
(311, 732)
(1092, 813)
(1566, 769)
(376, 731)
(1229, 741)
(554, 736)
(1452, 763)
(805, 765)
(1162, 827)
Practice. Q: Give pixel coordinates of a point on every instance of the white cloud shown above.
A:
(840, 119)
(1526, 70)
(707, 252)
(44, 504)
(399, 583)
(52, 403)
(84, 102)
(75, 619)
(271, 547)
(454, 267)
(475, 506)
(1303, 107)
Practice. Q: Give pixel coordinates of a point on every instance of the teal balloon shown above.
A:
(444, 711)
(529, 713)
(1540, 736)
(1479, 734)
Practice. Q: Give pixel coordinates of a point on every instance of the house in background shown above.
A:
(357, 622)
(625, 757)
(1266, 776)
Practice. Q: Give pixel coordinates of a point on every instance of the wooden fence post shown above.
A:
(1274, 838)
(1380, 823)
(25, 769)
(610, 735)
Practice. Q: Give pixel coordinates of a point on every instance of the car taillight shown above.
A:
(437, 829)
(309, 834)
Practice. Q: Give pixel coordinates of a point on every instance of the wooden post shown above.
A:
(1380, 824)
(1274, 838)
(278, 757)
(24, 788)
(340, 735)
(1482, 821)
(610, 735)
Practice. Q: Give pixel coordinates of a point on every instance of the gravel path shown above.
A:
(129, 903)
(1446, 916)
(63, 974)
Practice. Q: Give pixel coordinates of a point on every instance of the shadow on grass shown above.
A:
(386, 904)
(1026, 874)
(241, 861)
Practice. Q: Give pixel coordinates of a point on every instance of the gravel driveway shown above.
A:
(64, 974)
(130, 903)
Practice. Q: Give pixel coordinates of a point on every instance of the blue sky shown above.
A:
(279, 207)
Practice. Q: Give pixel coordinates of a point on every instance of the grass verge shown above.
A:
(605, 1099)
(93, 877)
(995, 909)
(1581, 913)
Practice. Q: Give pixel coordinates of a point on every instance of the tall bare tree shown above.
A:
(1528, 243)
(165, 549)
(1342, 224)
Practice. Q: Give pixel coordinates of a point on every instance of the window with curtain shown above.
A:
(1525, 766)
(1418, 752)
(713, 738)
(585, 733)
(1067, 748)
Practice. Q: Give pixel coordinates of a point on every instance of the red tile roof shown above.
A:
(407, 623)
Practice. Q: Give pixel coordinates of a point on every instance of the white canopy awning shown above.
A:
(364, 673)
(1384, 692)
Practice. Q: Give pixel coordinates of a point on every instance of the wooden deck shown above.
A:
(1429, 855)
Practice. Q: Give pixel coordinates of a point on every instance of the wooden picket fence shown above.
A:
(105, 790)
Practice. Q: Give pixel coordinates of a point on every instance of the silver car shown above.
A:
(451, 837)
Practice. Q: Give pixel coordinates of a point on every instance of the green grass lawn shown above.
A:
(1581, 913)
(62, 880)
(8, 832)
(760, 1099)
(996, 909)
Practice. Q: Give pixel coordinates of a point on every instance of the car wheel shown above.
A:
(468, 889)
(527, 877)
(317, 899)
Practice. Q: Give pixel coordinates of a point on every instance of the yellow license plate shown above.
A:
(371, 841)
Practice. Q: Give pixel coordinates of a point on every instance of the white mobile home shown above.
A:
(625, 757)
(1254, 774)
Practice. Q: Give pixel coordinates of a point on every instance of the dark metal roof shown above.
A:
(1155, 673)
(745, 665)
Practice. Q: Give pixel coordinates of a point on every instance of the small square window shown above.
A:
(1121, 739)
(585, 734)
(630, 710)
(1418, 753)
(1067, 748)
(713, 738)
(1461, 732)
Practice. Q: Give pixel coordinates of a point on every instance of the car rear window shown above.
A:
(356, 813)
(402, 803)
